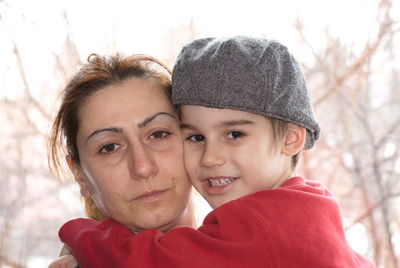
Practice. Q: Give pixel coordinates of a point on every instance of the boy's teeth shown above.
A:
(220, 182)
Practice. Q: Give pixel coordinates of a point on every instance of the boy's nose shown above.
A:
(142, 164)
(212, 156)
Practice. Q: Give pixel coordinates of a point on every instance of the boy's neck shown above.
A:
(285, 176)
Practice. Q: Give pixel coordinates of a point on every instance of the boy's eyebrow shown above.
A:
(228, 123)
(119, 130)
(186, 126)
(231, 123)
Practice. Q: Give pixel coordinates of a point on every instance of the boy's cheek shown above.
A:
(187, 157)
(191, 166)
(190, 152)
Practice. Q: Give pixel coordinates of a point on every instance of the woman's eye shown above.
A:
(109, 148)
(195, 138)
(160, 135)
(235, 135)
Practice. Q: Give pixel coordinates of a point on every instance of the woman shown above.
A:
(123, 143)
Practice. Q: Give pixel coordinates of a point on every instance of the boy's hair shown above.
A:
(255, 75)
(279, 128)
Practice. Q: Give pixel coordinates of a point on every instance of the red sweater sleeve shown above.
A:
(297, 225)
(222, 241)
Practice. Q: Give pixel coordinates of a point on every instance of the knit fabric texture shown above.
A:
(255, 75)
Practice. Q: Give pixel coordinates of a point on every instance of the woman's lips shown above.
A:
(149, 197)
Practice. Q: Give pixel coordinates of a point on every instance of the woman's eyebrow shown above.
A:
(108, 129)
(119, 130)
(151, 118)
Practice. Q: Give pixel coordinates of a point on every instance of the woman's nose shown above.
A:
(142, 162)
(212, 155)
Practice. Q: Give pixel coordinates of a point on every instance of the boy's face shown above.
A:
(231, 153)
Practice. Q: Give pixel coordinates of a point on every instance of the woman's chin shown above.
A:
(161, 222)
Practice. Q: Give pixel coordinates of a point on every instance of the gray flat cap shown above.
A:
(255, 75)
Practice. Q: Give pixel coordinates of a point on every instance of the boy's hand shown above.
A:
(66, 260)
(65, 251)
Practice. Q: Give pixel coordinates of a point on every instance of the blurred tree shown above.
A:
(357, 99)
(30, 203)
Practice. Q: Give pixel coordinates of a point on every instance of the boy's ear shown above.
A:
(294, 140)
(79, 178)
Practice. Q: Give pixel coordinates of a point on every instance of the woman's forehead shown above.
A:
(131, 102)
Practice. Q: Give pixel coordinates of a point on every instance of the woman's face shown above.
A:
(131, 156)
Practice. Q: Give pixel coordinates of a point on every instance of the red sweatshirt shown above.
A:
(296, 225)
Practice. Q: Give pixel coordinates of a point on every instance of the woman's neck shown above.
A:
(188, 217)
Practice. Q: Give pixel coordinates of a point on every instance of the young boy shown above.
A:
(245, 117)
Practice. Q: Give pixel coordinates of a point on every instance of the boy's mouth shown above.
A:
(220, 182)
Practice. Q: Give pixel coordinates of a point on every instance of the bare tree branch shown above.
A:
(27, 90)
(369, 50)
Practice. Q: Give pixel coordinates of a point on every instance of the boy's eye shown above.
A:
(160, 135)
(235, 135)
(109, 148)
(196, 138)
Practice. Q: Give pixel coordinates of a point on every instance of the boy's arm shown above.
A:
(298, 225)
(223, 241)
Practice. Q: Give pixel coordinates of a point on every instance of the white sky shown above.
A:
(140, 26)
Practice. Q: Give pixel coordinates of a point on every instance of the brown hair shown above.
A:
(96, 74)
(280, 127)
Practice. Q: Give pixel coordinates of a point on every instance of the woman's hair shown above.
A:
(97, 73)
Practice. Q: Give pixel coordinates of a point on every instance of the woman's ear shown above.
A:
(79, 178)
(294, 140)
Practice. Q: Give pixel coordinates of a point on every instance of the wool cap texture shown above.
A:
(255, 75)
